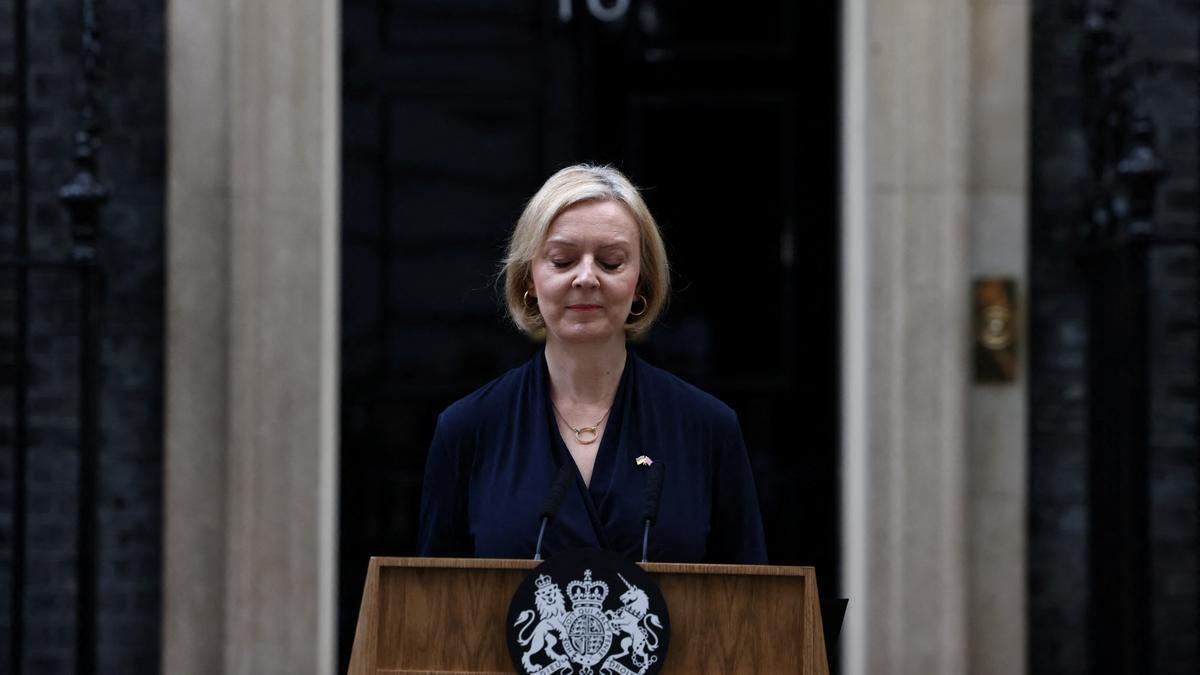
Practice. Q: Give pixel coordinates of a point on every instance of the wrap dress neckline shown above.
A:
(595, 494)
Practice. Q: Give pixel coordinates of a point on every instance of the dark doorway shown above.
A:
(454, 114)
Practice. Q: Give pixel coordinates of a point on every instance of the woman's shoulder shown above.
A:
(669, 388)
(497, 397)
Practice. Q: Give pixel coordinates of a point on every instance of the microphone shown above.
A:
(558, 490)
(654, 486)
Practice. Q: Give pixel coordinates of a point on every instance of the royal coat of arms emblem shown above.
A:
(590, 637)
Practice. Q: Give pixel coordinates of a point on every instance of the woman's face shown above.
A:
(585, 273)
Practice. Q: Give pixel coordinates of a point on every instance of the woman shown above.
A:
(586, 269)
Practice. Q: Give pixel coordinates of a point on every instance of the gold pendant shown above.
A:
(579, 433)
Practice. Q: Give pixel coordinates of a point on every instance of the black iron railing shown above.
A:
(83, 196)
(1117, 238)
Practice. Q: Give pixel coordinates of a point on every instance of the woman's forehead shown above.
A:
(595, 222)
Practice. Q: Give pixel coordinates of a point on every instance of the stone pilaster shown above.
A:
(905, 292)
(252, 337)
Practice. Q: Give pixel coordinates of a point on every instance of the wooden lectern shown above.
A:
(445, 615)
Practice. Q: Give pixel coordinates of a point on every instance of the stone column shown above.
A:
(905, 312)
(251, 410)
(934, 138)
(197, 339)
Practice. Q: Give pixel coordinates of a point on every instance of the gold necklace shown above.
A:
(592, 432)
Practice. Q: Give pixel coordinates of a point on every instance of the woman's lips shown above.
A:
(583, 308)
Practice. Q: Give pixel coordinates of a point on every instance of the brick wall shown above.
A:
(1164, 43)
(8, 140)
(1167, 36)
(129, 496)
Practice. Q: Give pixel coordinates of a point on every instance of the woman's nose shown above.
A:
(586, 274)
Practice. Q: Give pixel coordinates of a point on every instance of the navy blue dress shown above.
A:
(496, 452)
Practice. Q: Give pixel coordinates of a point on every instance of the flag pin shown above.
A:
(644, 461)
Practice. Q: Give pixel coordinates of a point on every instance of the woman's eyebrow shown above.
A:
(620, 243)
(562, 241)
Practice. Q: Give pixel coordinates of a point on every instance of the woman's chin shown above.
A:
(587, 332)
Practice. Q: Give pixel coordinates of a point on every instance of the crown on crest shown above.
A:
(587, 593)
(544, 581)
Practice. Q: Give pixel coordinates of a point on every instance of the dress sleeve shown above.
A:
(444, 530)
(736, 535)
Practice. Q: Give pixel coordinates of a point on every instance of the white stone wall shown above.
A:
(997, 448)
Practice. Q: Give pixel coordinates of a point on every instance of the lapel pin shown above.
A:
(643, 460)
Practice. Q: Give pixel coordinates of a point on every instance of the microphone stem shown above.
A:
(645, 540)
(537, 552)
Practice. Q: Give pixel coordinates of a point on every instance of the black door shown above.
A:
(454, 114)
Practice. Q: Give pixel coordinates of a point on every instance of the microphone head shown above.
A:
(654, 486)
(558, 490)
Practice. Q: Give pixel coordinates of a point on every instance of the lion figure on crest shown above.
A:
(631, 620)
(551, 608)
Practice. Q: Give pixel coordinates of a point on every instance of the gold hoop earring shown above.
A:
(525, 300)
(645, 305)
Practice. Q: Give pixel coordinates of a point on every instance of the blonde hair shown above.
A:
(570, 186)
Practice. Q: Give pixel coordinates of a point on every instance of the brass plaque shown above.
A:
(996, 330)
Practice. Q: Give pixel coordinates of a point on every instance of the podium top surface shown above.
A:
(651, 567)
